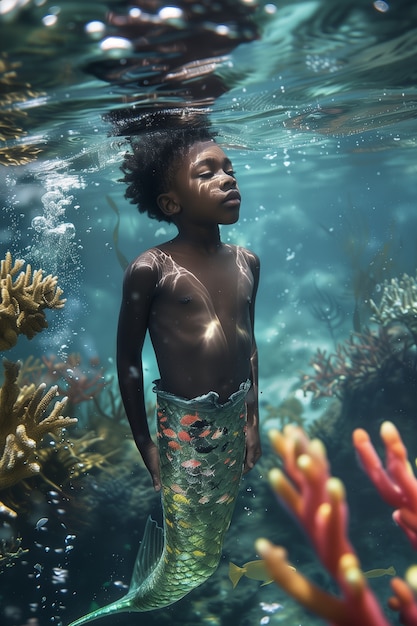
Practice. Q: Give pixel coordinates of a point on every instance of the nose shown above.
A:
(228, 181)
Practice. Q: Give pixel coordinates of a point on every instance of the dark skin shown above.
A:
(200, 317)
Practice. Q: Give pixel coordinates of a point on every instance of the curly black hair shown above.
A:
(156, 156)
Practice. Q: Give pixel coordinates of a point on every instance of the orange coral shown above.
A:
(317, 500)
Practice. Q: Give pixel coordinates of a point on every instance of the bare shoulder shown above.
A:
(145, 267)
(149, 258)
(251, 258)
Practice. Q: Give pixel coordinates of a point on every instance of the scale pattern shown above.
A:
(202, 447)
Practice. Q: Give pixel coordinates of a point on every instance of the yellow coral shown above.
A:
(23, 424)
(24, 296)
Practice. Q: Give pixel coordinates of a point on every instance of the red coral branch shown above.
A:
(396, 484)
(317, 500)
(81, 384)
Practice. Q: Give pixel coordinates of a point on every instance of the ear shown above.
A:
(168, 204)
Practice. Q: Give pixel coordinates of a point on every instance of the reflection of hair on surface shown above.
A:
(13, 91)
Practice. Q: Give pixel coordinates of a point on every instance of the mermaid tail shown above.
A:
(201, 447)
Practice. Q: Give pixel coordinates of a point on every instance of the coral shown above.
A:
(31, 371)
(81, 384)
(60, 464)
(360, 363)
(371, 358)
(398, 304)
(317, 501)
(397, 484)
(23, 424)
(24, 296)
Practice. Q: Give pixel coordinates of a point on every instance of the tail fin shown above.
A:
(120, 606)
(235, 573)
(150, 552)
(148, 556)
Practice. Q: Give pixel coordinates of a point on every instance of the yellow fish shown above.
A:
(376, 573)
(255, 570)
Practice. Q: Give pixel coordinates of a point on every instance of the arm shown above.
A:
(138, 289)
(253, 443)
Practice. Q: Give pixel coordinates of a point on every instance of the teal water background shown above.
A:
(316, 104)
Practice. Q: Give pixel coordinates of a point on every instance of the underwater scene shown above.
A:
(315, 103)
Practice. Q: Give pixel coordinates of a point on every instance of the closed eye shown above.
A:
(231, 173)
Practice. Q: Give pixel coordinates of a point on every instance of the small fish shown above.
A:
(174, 445)
(168, 432)
(191, 464)
(376, 573)
(255, 570)
(188, 419)
(184, 436)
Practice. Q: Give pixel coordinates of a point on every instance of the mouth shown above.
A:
(232, 198)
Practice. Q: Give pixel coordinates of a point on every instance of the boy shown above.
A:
(196, 297)
(194, 294)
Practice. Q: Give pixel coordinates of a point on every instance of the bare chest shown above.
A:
(219, 288)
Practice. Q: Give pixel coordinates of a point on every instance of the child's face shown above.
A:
(205, 186)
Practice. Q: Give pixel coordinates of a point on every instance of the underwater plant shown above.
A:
(398, 304)
(80, 383)
(369, 358)
(317, 501)
(24, 296)
(371, 375)
(289, 411)
(368, 270)
(328, 310)
(25, 415)
(360, 363)
(25, 418)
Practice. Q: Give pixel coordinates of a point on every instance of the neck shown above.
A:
(200, 239)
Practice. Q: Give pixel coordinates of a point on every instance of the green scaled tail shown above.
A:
(201, 449)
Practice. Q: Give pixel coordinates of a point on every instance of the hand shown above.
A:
(150, 456)
(253, 448)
